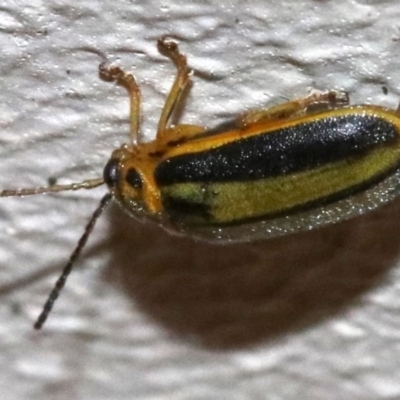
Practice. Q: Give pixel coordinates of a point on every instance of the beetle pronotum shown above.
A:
(296, 166)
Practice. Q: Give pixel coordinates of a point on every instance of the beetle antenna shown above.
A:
(105, 201)
(88, 184)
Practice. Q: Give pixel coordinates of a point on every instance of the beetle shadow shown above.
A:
(238, 295)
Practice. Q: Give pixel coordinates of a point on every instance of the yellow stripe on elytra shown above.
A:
(233, 201)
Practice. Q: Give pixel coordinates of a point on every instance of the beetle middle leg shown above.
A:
(170, 49)
(316, 101)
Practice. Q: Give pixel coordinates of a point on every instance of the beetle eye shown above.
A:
(134, 179)
(111, 172)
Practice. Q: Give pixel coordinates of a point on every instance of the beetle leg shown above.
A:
(170, 49)
(115, 73)
(179, 133)
(316, 101)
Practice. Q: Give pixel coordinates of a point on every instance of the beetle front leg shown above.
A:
(117, 74)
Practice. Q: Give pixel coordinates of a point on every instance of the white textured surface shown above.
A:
(312, 316)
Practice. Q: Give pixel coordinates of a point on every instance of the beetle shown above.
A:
(291, 167)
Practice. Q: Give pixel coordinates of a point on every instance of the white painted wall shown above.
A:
(149, 316)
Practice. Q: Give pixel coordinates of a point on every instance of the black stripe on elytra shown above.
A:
(179, 208)
(281, 152)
